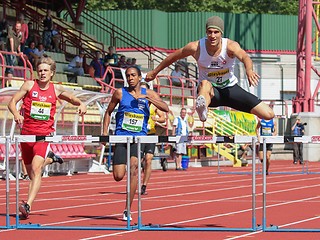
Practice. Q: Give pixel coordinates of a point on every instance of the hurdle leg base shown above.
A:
(28, 226)
(273, 227)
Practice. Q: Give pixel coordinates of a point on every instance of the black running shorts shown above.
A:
(269, 147)
(149, 148)
(234, 97)
(120, 152)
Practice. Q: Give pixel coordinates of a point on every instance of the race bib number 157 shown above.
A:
(132, 122)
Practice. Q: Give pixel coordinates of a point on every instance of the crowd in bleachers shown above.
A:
(24, 42)
(100, 63)
(44, 37)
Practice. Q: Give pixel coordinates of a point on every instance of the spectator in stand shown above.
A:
(134, 63)
(111, 58)
(129, 62)
(13, 46)
(3, 33)
(33, 35)
(122, 62)
(97, 65)
(175, 75)
(76, 65)
(38, 53)
(180, 128)
(29, 52)
(47, 30)
(24, 31)
(56, 38)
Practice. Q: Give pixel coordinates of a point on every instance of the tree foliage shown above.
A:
(284, 7)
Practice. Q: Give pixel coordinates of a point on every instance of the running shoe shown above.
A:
(201, 108)
(24, 208)
(55, 158)
(143, 190)
(125, 216)
(24, 177)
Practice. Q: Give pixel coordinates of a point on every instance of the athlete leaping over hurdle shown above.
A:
(218, 86)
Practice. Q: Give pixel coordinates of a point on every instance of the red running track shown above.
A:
(196, 198)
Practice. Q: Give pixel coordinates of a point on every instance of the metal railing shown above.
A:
(22, 69)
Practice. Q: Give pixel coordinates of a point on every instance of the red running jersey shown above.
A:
(39, 108)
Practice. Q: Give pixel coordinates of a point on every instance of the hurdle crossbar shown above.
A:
(277, 140)
(194, 140)
(157, 139)
(73, 139)
(275, 228)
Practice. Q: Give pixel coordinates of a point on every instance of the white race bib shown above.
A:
(266, 131)
(132, 121)
(218, 79)
(40, 110)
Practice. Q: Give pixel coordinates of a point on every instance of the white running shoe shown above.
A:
(125, 216)
(201, 108)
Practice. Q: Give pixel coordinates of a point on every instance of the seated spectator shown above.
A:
(24, 31)
(38, 53)
(29, 53)
(76, 64)
(111, 58)
(97, 65)
(175, 75)
(134, 63)
(122, 62)
(129, 62)
(33, 36)
(3, 33)
(56, 38)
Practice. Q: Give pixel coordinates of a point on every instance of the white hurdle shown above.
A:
(281, 139)
(72, 139)
(6, 140)
(196, 140)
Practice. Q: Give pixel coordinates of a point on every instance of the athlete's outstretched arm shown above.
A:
(187, 50)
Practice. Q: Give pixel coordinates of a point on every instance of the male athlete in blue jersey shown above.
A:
(266, 128)
(131, 119)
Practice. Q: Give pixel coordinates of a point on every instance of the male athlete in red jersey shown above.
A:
(38, 110)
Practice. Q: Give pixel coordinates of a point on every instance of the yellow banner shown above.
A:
(246, 121)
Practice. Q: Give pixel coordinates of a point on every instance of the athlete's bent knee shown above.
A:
(117, 178)
(269, 114)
